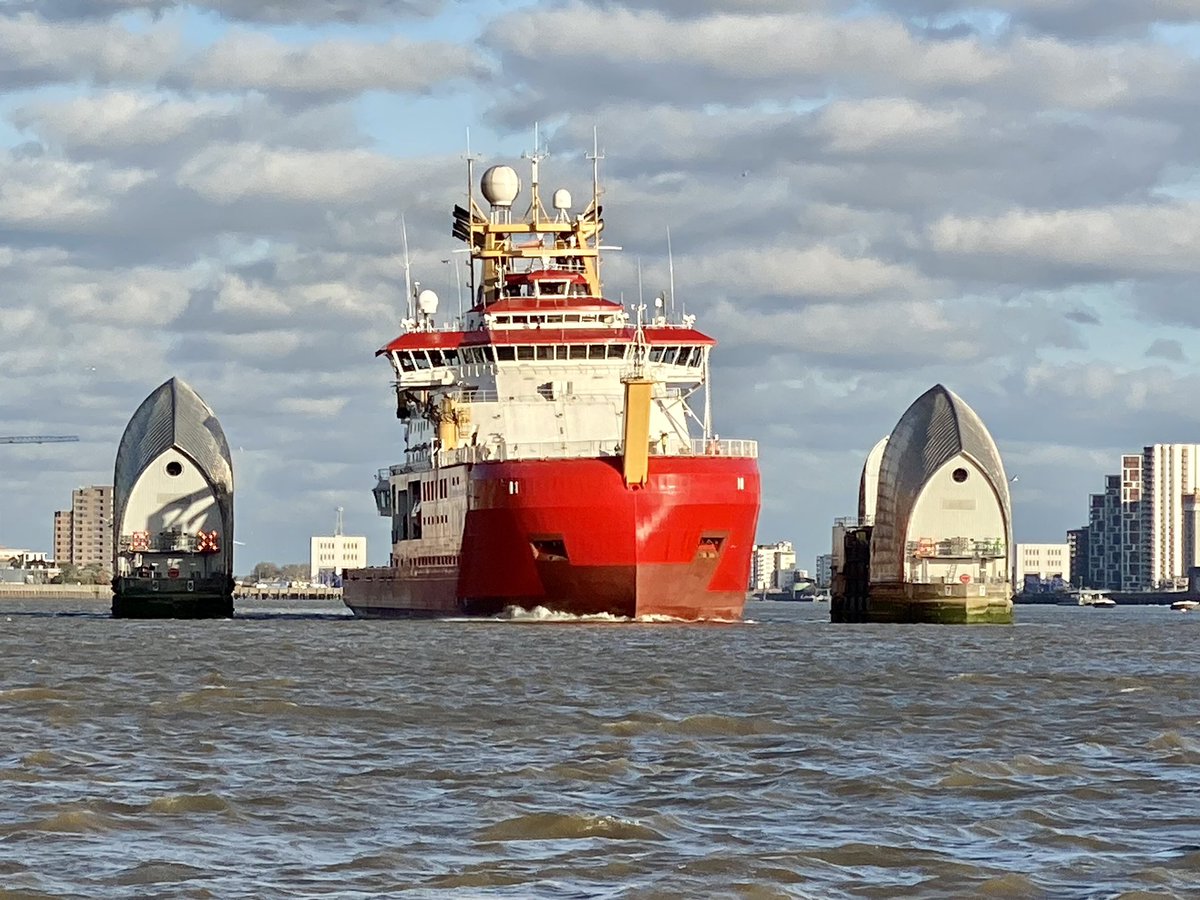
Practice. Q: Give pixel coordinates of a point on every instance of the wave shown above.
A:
(567, 827)
(188, 803)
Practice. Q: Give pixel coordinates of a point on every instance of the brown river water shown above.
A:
(295, 752)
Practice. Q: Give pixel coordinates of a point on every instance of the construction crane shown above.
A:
(38, 438)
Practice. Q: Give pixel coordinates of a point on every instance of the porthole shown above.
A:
(174, 468)
(959, 475)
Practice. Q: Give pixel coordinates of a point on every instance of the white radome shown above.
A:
(427, 302)
(562, 199)
(500, 185)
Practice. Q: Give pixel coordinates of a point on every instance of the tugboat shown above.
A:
(173, 509)
(554, 455)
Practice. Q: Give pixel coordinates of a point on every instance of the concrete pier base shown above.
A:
(931, 604)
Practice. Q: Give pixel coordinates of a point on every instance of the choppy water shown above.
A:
(312, 755)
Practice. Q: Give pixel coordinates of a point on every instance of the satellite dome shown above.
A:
(427, 302)
(562, 199)
(500, 185)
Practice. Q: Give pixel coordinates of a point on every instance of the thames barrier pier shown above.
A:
(932, 539)
(173, 509)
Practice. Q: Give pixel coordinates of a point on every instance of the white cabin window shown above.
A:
(545, 352)
(596, 351)
(524, 353)
(505, 354)
(578, 351)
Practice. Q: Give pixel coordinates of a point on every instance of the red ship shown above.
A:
(554, 458)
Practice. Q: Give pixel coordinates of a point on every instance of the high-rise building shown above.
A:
(769, 563)
(83, 534)
(1077, 544)
(1169, 473)
(1142, 531)
(823, 574)
(1104, 536)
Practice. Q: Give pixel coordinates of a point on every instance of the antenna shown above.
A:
(671, 269)
(595, 156)
(471, 202)
(408, 287)
(337, 528)
(640, 281)
(535, 202)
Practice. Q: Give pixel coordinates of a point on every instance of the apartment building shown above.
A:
(83, 534)
(772, 565)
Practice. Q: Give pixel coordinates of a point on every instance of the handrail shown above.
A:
(505, 452)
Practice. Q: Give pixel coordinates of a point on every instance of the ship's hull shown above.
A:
(173, 598)
(571, 537)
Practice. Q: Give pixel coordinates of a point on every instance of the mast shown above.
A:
(408, 287)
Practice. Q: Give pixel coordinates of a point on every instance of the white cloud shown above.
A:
(1110, 242)
(34, 51)
(248, 61)
(40, 193)
(224, 173)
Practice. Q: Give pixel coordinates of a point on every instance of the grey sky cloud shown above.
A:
(34, 52)
(1163, 348)
(279, 12)
(1070, 18)
(244, 61)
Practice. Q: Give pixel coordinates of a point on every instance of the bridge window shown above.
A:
(450, 357)
(421, 359)
(616, 351)
(545, 351)
(656, 354)
(596, 351)
(578, 351)
(524, 353)
(405, 361)
(506, 354)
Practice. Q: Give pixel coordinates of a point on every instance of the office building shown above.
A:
(332, 553)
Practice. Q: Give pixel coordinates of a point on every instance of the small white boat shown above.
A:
(1086, 597)
(1185, 605)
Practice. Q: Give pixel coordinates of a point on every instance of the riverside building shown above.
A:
(772, 565)
(1042, 565)
(83, 534)
(1142, 531)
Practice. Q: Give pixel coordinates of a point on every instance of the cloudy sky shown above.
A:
(864, 198)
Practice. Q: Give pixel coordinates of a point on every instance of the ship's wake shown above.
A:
(542, 614)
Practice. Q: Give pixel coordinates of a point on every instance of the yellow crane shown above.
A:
(38, 438)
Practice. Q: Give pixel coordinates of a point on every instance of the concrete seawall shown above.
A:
(58, 591)
(104, 592)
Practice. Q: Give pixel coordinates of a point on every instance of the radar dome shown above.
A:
(500, 185)
(562, 199)
(427, 302)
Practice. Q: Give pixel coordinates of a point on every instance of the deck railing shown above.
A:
(503, 452)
